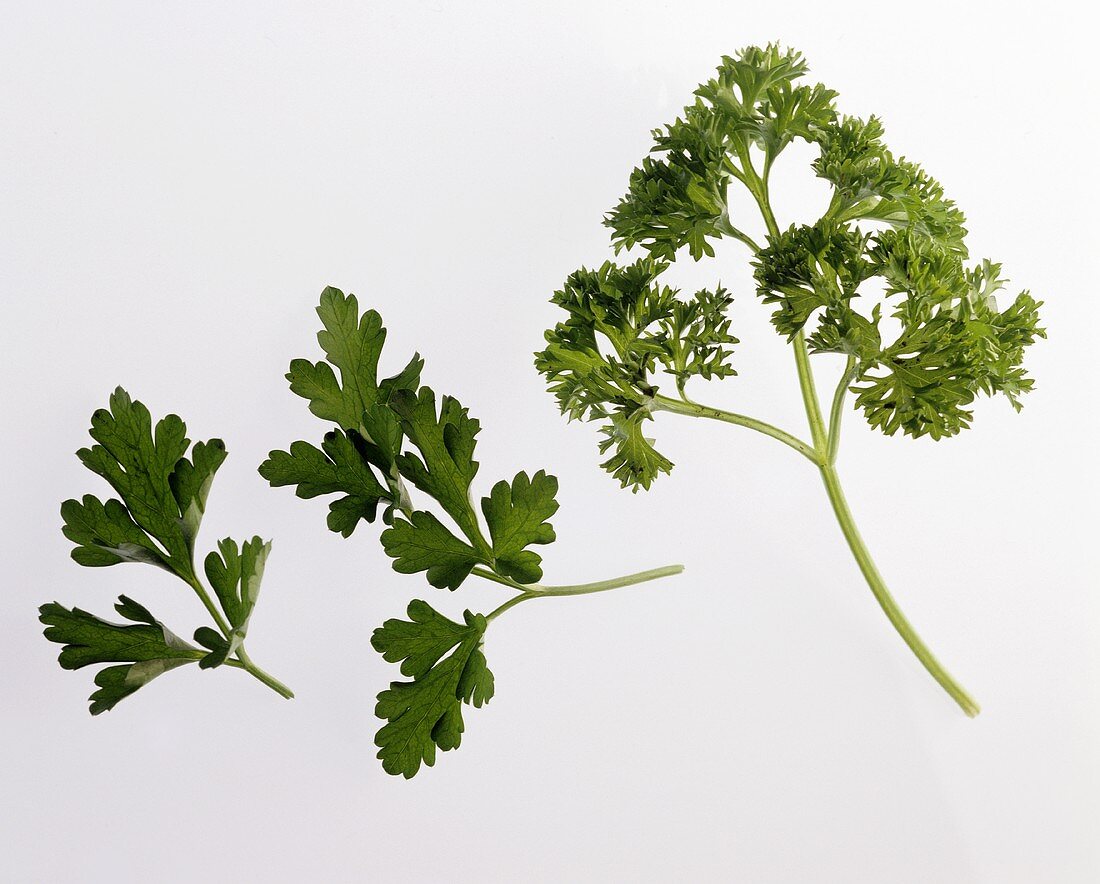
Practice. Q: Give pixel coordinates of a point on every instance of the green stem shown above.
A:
(243, 661)
(537, 590)
(266, 678)
(809, 393)
(885, 600)
(855, 541)
(211, 608)
(824, 452)
(726, 226)
(837, 411)
(664, 403)
(758, 187)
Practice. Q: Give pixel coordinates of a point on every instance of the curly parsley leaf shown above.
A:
(870, 183)
(881, 278)
(679, 196)
(425, 714)
(145, 644)
(623, 329)
(809, 267)
(889, 229)
(634, 462)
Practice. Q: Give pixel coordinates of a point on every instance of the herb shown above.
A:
(888, 224)
(163, 497)
(393, 435)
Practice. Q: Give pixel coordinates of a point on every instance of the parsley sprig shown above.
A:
(395, 439)
(155, 520)
(888, 224)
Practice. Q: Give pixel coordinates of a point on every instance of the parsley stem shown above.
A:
(211, 608)
(266, 678)
(827, 446)
(243, 661)
(537, 590)
(692, 409)
(885, 600)
(837, 411)
(809, 394)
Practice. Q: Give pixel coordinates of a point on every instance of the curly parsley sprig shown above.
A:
(888, 223)
(393, 438)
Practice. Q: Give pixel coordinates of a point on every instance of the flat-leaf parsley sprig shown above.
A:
(393, 437)
(888, 222)
(155, 520)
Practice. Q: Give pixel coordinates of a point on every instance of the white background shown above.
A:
(179, 181)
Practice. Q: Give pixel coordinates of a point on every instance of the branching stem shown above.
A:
(692, 409)
(243, 661)
(826, 444)
(823, 453)
(537, 590)
(837, 410)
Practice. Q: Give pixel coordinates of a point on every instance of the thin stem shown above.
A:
(211, 608)
(758, 187)
(486, 574)
(885, 600)
(809, 393)
(537, 590)
(664, 403)
(243, 661)
(726, 226)
(266, 678)
(837, 411)
(852, 535)
(826, 446)
(511, 603)
(604, 585)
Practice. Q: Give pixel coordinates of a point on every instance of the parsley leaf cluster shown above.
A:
(162, 494)
(882, 278)
(888, 224)
(395, 438)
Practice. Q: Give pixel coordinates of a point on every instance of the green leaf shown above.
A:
(339, 467)
(106, 534)
(517, 517)
(423, 543)
(190, 482)
(622, 328)
(148, 646)
(842, 330)
(635, 462)
(235, 574)
(221, 648)
(871, 183)
(164, 494)
(680, 198)
(426, 713)
(138, 463)
(352, 345)
(808, 267)
(445, 467)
